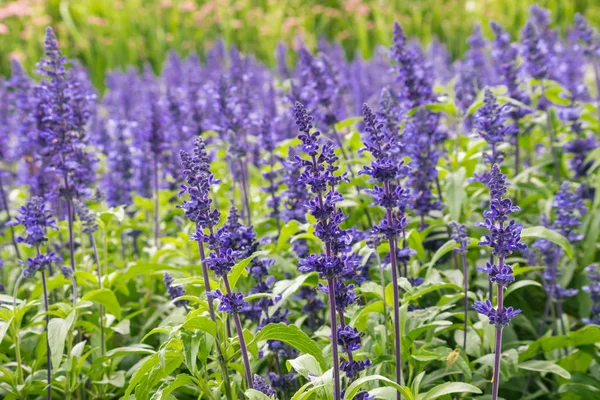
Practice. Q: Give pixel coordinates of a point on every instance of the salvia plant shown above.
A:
(405, 226)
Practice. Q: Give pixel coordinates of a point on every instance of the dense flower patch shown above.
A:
(402, 227)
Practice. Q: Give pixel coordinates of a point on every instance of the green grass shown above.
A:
(109, 34)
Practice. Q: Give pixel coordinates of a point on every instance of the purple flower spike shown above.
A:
(262, 386)
(498, 319)
(174, 291)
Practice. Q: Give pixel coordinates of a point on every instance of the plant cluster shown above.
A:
(401, 227)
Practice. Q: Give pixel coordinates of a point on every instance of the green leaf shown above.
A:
(585, 391)
(447, 388)
(58, 329)
(360, 319)
(201, 323)
(587, 335)
(545, 366)
(179, 381)
(292, 335)
(419, 291)
(107, 298)
(253, 394)
(519, 285)
(554, 95)
(4, 325)
(239, 269)
(134, 349)
(540, 232)
(305, 365)
(354, 388)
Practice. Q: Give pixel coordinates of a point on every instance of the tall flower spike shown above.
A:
(569, 209)
(175, 291)
(319, 173)
(490, 124)
(387, 171)
(504, 238)
(36, 220)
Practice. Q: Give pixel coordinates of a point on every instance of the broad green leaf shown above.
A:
(239, 269)
(179, 381)
(545, 366)
(448, 388)
(588, 335)
(107, 298)
(305, 365)
(540, 232)
(354, 388)
(293, 336)
(361, 318)
(201, 323)
(585, 391)
(58, 329)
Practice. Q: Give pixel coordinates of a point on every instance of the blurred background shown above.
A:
(110, 34)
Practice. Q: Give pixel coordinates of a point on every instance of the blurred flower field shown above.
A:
(110, 34)
(215, 202)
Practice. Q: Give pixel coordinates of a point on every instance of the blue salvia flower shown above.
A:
(440, 59)
(283, 382)
(88, 219)
(505, 56)
(535, 52)
(421, 137)
(474, 70)
(490, 123)
(37, 220)
(319, 175)
(262, 386)
(117, 182)
(281, 52)
(174, 291)
(415, 82)
(390, 115)
(64, 102)
(587, 36)
(593, 289)
(580, 148)
(273, 172)
(504, 238)
(569, 68)
(460, 236)
(569, 208)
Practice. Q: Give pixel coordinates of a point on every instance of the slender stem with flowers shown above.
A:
(319, 174)
(36, 220)
(388, 172)
(200, 211)
(504, 239)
